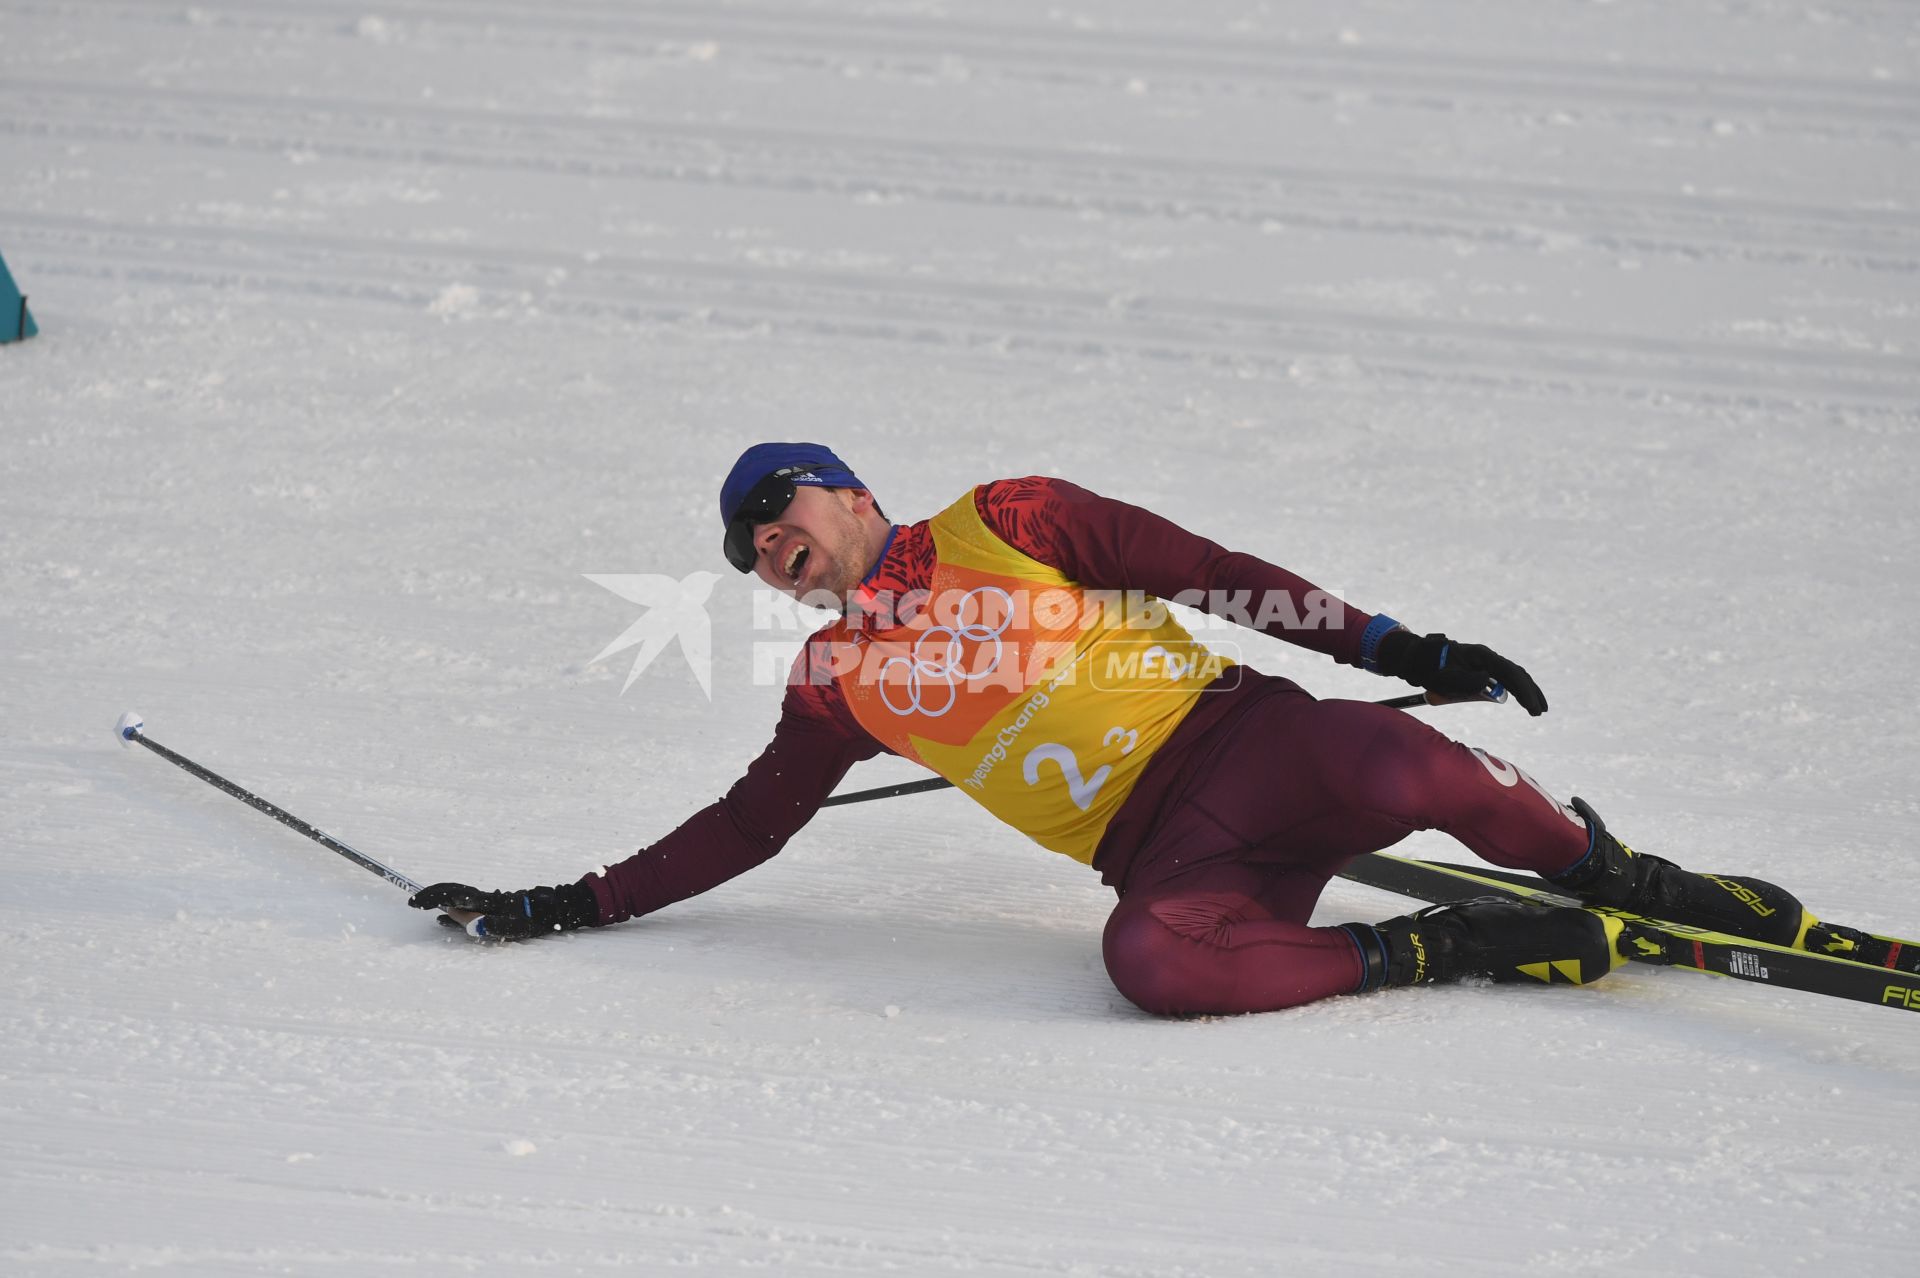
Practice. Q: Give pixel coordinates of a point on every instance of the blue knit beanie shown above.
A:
(828, 471)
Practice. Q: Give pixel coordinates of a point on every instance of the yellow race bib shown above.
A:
(1038, 698)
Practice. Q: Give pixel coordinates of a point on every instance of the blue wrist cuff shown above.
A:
(1377, 629)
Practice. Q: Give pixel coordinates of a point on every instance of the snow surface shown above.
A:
(1584, 329)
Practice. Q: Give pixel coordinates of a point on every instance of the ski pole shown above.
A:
(130, 728)
(1494, 693)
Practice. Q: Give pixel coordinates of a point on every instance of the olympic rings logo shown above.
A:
(937, 662)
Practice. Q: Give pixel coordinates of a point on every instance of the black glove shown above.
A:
(1464, 670)
(513, 916)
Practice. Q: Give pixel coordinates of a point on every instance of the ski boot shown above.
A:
(1613, 874)
(1506, 941)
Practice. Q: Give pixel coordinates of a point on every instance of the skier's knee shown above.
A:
(1148, 962)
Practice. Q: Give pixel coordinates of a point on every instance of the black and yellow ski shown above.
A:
(1835, 940)
(1654, 941)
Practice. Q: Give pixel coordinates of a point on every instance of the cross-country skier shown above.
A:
(995, 643)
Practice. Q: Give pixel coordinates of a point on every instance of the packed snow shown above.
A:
(371, 332)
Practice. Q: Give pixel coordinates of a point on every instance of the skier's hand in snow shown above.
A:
(510, 916)
(1456, 670)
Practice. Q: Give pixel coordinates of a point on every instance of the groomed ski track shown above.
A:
(1584, 330)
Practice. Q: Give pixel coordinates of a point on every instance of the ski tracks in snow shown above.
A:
(1004, 303)
(1011, 318)
(267, 477)
(1086, 53)
(1489, 210)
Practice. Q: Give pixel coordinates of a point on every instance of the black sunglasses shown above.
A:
(765, 502)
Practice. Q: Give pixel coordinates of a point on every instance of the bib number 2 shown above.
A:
(1081, 789)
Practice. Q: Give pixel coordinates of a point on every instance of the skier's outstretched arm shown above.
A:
(1108, 544)
(812, 748)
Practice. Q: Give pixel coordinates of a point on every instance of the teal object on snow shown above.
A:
(16, 321)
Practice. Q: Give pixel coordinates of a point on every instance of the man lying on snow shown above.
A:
(1215, 800)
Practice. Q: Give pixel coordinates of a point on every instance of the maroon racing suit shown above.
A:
(1261, 795)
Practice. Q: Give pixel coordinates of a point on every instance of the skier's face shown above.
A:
(818, 546)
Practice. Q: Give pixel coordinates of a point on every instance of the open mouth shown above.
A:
(796, 563)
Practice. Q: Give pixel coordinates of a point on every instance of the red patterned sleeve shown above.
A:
(816, 741)
(1109, 545)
